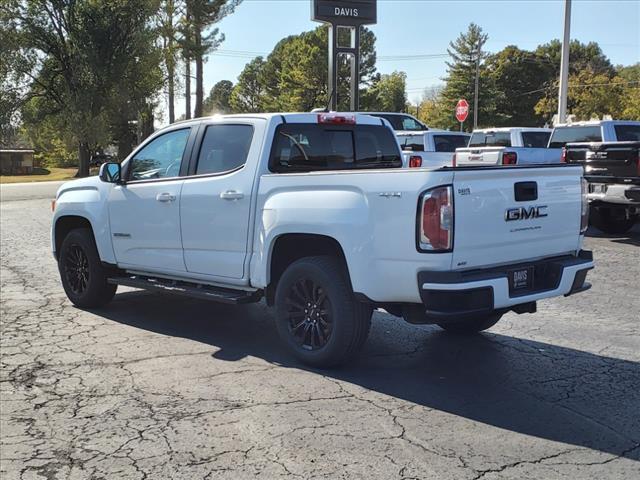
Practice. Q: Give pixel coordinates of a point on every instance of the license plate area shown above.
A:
(521, 280)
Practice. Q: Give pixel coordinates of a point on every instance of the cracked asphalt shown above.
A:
(154, 387)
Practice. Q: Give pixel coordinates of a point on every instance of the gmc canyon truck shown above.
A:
(508, 146)
(613, 172)
(315, 214)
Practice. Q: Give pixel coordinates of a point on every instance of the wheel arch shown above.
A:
(66, 224)
(289, 247)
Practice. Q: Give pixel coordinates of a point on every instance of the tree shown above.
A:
(294, 75)
(202, 14)
(466, 56)
(516, 77)
(248, 96)
(219, 98)
(168, 30)
(388, 94)
(84, 51)
(630, 76)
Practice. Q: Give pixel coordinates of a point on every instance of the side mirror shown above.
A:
(110, 173)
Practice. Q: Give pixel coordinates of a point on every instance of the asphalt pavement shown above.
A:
(154, 387)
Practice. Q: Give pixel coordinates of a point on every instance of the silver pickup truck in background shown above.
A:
(434, 148)
(508, 146)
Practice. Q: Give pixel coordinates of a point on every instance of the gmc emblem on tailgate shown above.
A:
(522, 213)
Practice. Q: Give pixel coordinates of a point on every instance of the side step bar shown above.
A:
(187, 289)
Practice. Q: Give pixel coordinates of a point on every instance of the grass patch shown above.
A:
(42, 175)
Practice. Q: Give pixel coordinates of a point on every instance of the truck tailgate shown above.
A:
(512, 214)
(479, 156)
(615, 160)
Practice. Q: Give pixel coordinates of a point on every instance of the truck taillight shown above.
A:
(336, 119)
(509, 158)
(415, 161)
(454, 160)
(563, 155)
(435, 220)
(584, 210)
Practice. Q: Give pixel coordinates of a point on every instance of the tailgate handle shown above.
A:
(525, 191)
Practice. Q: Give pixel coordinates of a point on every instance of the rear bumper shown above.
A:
(457, 294)
(614, 193)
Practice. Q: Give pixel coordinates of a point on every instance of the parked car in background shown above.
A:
(508, 146)
(433, 148)
(613, 172)
(595, 131)
(314, 213)
(400, 122)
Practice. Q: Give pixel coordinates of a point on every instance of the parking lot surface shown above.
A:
(166, 387)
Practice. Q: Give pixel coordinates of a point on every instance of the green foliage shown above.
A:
(248, 96)
(388, 94)
(219, 98)
(466, 56)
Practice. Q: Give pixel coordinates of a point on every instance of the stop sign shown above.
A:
(462, 110)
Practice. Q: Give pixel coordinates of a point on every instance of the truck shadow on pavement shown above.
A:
(632, 237)
(533, 388)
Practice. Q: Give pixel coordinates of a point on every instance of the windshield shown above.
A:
(401, 122)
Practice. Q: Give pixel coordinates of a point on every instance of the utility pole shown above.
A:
(564, 64)
(475, 93)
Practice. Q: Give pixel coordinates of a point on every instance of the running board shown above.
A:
(187, 289)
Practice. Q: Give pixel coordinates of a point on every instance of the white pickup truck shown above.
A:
(433, 148)
(508, 146)
(314, 213)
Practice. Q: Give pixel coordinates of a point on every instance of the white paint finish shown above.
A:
(483, 237)
(430, 158)
(86, 198)
(153, 226)
(500, 286)
(492, 155)
(215, 214)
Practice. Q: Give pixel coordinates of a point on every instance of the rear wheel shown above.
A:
(317, 315)
(611, 220)
(472, 325)
(83, 276)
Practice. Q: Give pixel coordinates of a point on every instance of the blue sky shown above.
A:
(414, 27)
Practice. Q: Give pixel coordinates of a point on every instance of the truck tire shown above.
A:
(84, 278)
(472, 325)
(610, 221)
(317, 316)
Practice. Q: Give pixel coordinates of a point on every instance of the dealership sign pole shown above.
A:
(462, 111)
(345, 17)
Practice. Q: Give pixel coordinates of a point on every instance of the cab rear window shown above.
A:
(563, 135)
(627, 133)
(490, 139)
(302, 147)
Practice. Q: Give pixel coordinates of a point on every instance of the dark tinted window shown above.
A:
(535, 139)
(224, 148)
(310, 147)
(401, 122)
(628, 133)
(160, 158)
(449, 143)
(563, 135)
(415, 143)
(490, 139)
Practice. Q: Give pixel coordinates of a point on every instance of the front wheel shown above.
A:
(83, 276)
(317, 316)
(471, 325)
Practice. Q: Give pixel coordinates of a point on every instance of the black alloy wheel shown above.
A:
(309, 314)
(76, 269)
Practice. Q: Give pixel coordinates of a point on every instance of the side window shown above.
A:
(224, 148)
(161, 158)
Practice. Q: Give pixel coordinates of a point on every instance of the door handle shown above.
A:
(231, 195)
(165, 197)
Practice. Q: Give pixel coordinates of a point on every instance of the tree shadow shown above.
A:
(533, 388)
